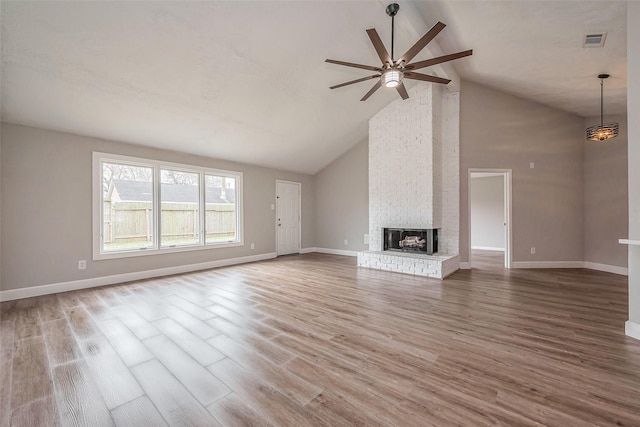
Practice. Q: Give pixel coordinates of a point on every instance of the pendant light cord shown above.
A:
(601, 102)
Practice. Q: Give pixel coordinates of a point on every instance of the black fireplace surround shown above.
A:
(421, 240)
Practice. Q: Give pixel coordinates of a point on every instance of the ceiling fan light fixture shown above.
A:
(603, 131)
(391, 78)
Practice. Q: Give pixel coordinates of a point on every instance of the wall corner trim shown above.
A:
(632, 329)
(34, 291)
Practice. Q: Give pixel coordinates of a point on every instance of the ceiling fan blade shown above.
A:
(377, 43)
(373, 89)
(438, 60)
(356, 81)
(420, 44)
(425, 78)
(351, 64)
(402, 91)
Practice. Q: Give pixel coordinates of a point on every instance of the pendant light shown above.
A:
(603, 130)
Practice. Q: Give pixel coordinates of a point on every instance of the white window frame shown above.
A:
(157, 249)
(201, 204)
(239, 203)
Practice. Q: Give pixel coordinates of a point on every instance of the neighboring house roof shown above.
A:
(139, 191)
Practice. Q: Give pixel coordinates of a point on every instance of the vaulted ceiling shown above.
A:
(533, 49)
(246, 81)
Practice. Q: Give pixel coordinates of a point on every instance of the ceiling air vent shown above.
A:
(594, 40)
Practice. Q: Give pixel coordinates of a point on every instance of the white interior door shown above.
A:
(287, 217)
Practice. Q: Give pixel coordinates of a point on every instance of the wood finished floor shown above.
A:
(487, 260)
(314, 340)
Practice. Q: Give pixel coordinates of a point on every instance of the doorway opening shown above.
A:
(489, 217)
(288, 217)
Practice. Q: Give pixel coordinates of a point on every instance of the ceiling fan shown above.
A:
(394, 71)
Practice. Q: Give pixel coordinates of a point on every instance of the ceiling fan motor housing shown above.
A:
(392, 9)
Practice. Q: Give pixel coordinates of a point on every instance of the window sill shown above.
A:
(162, 251)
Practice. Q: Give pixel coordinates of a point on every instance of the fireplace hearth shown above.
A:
(421, 240)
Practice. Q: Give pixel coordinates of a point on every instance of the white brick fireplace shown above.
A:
(414, 179)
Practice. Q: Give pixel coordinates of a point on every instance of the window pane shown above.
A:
(180, 208)
(127, 210)
(221, 218)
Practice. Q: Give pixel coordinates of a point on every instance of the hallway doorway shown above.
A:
(489, 214)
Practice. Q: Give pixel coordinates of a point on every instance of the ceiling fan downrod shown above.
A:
(392, 10)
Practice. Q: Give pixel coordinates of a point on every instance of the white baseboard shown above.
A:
(465, 266)
(488, 248)
(608, 268)
(34, 291)
(336, 252)
(571, 264)
(547, 264)
(632, 329)
(329, 251)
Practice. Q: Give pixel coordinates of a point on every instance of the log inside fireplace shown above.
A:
(420, 240)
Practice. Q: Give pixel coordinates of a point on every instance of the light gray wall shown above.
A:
(633, 111)
(487, 212)
(606, 206)
(47, 209)
(342, 201)
(501, 131)
(0, 210)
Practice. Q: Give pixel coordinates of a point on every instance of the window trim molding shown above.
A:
(97, 207)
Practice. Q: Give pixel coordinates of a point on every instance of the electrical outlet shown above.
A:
(366, 239)
(82, 264)
(253, 246)
(346, 242)
(532, 165)
(533, 250)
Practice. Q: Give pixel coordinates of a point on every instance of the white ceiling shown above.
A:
(246, 81)
(533, 49)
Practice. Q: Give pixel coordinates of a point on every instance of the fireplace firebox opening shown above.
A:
(422, 240)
